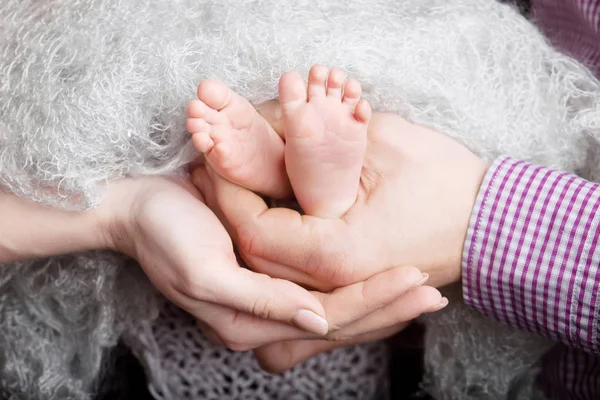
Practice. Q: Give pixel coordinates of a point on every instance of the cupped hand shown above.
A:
(189, 257)
(418, 188)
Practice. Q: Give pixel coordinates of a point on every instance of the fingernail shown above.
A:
(424, 278)
(311, 322)
(443, 303)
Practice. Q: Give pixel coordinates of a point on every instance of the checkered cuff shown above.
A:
(531, 258)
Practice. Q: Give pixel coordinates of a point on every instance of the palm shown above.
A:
(180, 234)
(417, 191)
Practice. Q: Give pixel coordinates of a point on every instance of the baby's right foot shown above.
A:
(326, 139)
(236, 141)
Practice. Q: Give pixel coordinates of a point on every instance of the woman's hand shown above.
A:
(186, 252)
(418, 188)
(188, 255)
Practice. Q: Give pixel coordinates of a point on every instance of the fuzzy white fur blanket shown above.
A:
(94, 90)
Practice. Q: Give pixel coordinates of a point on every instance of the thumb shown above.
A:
(267, 298)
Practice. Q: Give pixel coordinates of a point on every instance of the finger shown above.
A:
(210, 333)
(277, 270)
(263, 296)
(241, 331)
(407, 307)
(365, 298)
(205, 183)
(280, 235)
(279, 357)
(221, 195)
(354, 303)
(202, 181)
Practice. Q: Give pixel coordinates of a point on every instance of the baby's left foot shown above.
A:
(326, 139)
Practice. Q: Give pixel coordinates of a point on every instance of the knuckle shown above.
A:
(364, 296)
(315, 264)
(338, 274)
(341, 270)
(261, 307)
(330, 262)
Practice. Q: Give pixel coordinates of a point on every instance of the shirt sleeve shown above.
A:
(531, 257)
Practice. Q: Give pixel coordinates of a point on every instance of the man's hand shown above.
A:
(417, 191)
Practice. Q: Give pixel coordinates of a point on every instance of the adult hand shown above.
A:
(418, 188)
(417, 191)
(187, 254)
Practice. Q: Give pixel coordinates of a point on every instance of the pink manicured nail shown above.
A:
(424, 278)
(443, 303)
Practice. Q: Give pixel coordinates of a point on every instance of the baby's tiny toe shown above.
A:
(362, 112)
(335, 83)
(195, 109)
(195, 125)
(203, 142)
(215, 94)
(292, 92)
(317, 77)
(352, 93)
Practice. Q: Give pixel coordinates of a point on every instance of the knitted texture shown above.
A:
(93, 90)
(185, 365)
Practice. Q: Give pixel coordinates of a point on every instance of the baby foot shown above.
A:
(236, 141)
(326, 139)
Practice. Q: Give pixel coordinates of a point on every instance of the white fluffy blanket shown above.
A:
(93, 90)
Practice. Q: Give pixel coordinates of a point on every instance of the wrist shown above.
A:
(466, 186)
(116, 215)
(130, 203)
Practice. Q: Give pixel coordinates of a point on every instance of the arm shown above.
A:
(531, 258)
(188, 255)
(30, 230)
(163, 224)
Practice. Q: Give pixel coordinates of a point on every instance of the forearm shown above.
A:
(30, 230)
(531, 258)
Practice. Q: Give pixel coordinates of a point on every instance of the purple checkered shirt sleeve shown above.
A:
(531, 258)
(572, 25)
